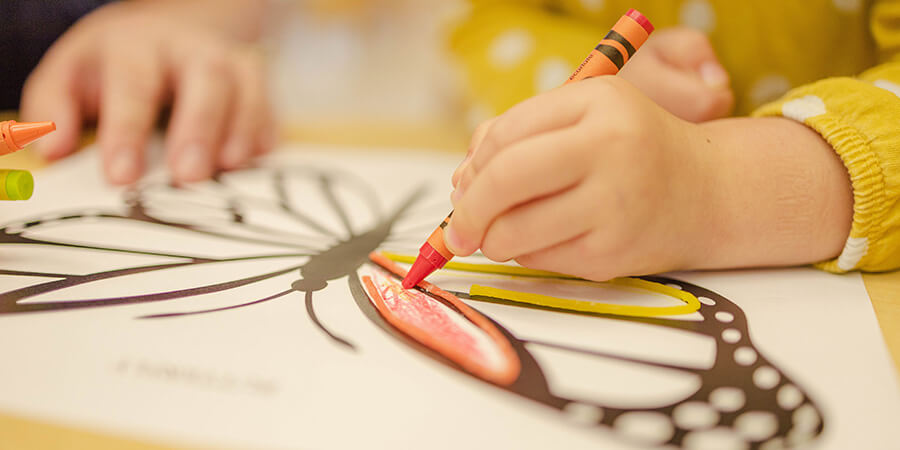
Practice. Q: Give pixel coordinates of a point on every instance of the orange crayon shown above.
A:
(619, 45)
(14, 136)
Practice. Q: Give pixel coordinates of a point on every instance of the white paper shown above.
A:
(264, 375)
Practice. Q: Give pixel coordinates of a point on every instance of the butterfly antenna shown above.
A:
(315, 319)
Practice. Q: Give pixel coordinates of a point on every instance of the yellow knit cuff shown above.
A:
(844, 111)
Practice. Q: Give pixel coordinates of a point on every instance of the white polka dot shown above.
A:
(847, 5)
(583, 413)
(789, 397)
(593, 5)
(756, 425)
(768, 88)
(695, 415)
(766, 377)
(716, 439)
(724, 316)
(803, 108)
(644, 426)
(745, 356)
(731, 335)
(727, 398)
(806, 419)
(551, 73)
(698, 14)
(888, 86)
(854, 250)
(510, 48)
(706, 301)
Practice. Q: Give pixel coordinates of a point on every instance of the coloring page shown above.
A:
(262, 309)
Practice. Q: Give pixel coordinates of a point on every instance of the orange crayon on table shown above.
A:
(14, 136)
(619, 45)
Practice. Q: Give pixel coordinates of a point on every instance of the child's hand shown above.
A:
(595, 180)
(678, 69)
(125, 62)
(591, 179)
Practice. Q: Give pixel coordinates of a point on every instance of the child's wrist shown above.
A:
(781, 197)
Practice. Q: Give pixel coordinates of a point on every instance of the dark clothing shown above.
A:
(27, 29)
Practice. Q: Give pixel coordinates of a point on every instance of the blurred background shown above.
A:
(368, 72)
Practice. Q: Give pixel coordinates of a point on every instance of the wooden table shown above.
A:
(26, 433)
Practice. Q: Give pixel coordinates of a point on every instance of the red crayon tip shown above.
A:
(427, 262)
(419, 270)
(16, 135)
(639, 18)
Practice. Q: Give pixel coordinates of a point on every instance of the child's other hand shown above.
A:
(125, 62)
(592, 179)
(678, 69)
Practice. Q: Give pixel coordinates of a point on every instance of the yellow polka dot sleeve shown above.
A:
(859, 117)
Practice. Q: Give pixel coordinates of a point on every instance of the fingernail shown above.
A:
(452, 240)
(193, 165)
(123, 168)
(713, 74)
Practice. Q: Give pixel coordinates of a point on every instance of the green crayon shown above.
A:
(16, 184)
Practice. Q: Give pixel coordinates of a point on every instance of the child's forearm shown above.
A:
(780, 196)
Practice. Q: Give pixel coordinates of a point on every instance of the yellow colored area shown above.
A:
(485, 268)
(28, 434)
(691, 303)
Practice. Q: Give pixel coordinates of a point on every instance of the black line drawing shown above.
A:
(746, 398)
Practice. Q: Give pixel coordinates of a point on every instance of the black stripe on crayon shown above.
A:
(447, 220)
(615, 36)
(612, 53)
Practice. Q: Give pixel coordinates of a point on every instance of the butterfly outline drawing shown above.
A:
(744, 399)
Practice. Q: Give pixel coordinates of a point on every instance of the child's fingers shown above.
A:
(567, 257)
(549, 111)
(524, 171)
(540, 224)
(251, 114)
(202, 105)
(477, 137)
(50, 94)
(571, 256)
(131, 93)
